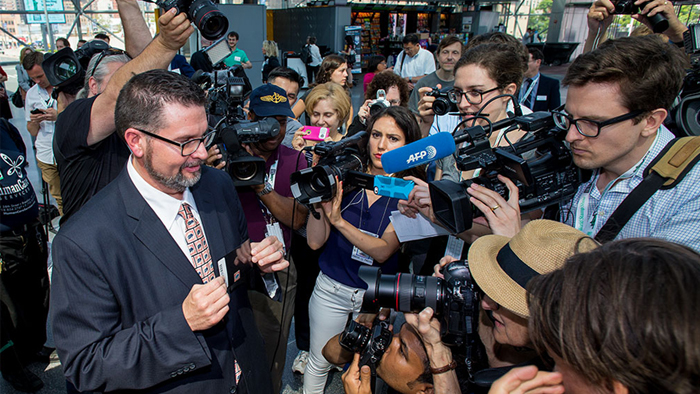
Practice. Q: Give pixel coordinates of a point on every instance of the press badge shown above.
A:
(223, 271)
(276, 230)
(541, 98)
(361, 256)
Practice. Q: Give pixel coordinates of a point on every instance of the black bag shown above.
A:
(306, 54)
(17, 99)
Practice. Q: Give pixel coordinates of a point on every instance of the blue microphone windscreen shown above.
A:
(423, 151)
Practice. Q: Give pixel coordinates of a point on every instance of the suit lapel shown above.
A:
(149, 230)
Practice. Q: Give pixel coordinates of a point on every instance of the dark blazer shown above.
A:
(119, 281)
(548, 96)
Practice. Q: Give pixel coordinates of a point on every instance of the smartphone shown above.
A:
(315, 133)
(38, 111)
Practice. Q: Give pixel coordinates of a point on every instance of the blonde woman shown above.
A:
(271, 53)
(328, 105)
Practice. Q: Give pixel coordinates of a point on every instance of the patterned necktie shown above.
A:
(197, 244)
(526, 100)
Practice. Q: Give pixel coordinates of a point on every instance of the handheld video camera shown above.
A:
(442, 104)
(540, 165)
(686, 114)
(244, 169)
(203, 13)
(65, 69)
(658, 22)
(227, 92)
(338, 159)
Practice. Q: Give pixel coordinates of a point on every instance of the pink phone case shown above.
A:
(315, 133)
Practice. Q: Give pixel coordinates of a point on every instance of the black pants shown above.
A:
(311, 73)
(306, 261)
(24, 290)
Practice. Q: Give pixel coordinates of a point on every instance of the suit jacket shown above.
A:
(548, 96)
(119, 280)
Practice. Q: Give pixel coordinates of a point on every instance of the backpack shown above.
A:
(306, 54)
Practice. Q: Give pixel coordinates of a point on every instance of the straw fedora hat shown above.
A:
(502, 266)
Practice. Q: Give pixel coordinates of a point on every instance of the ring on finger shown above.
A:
(493, 209)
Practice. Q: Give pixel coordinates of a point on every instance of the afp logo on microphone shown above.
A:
(426, 154)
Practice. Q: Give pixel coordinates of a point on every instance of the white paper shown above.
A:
(408, 229)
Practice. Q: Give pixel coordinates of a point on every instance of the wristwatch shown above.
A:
(266, 190)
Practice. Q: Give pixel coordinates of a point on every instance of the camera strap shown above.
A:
(666, 171)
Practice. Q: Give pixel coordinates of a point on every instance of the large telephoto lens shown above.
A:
(401, 292)
(209, 20)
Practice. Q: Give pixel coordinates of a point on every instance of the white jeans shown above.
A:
(329, 307)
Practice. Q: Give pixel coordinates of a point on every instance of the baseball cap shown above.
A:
(270, 100)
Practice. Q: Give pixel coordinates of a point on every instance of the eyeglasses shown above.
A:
(588, 127)
(104, 54)
(188, 147)
(474, 97)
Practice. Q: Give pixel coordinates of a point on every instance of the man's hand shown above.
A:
(363, 112)
(664, 7)
(356, 380)
(600, 15)
(528, 380)
(503, 217)
(175, 29)
(269, 255)
(443, 262)
(206, 304)
(214, 155)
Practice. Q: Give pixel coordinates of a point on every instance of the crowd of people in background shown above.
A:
(169, 276)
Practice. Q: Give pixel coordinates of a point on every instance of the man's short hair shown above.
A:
(648, 71)
(141, 101)
(82, 42)
(102, 36)
(312, 40)
(233, 34)
(286, 73)
(411, 39)
(536, 53)
(624, 312)
(32, 59)
(447, 41)
(384, 80)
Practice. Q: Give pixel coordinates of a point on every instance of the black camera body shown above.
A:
(659, 22)
(65, 69)
(203, 13)
(454, 299)
(227, 92)
(338, 159)
(442, 104)
(244, 169)
(540, 165)
(370, 343)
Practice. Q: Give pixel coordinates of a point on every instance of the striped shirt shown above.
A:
(672, 214)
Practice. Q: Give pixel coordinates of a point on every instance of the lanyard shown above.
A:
(529, 89)
(270, 180)
(581, 215)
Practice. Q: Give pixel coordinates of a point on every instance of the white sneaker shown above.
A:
(299, 364)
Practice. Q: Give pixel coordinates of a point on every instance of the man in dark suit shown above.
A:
(150, 276)
(539, 92)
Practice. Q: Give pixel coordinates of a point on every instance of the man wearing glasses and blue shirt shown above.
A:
(150, 277)
(617, 99)
(88, 153)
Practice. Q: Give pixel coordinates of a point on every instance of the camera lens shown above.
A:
(243, 171)
(319, 182)
(65, 69)
(378, 106)
(355, 336)
(402, 292)
(211, 22)
(441, 106)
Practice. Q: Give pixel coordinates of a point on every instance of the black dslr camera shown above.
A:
(442, 104)
(454, 299)
(244, 169)
(203, 13)
(540, 165)
(371, 343)
(658, 22)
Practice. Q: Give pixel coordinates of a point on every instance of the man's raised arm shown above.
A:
(175, 30)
